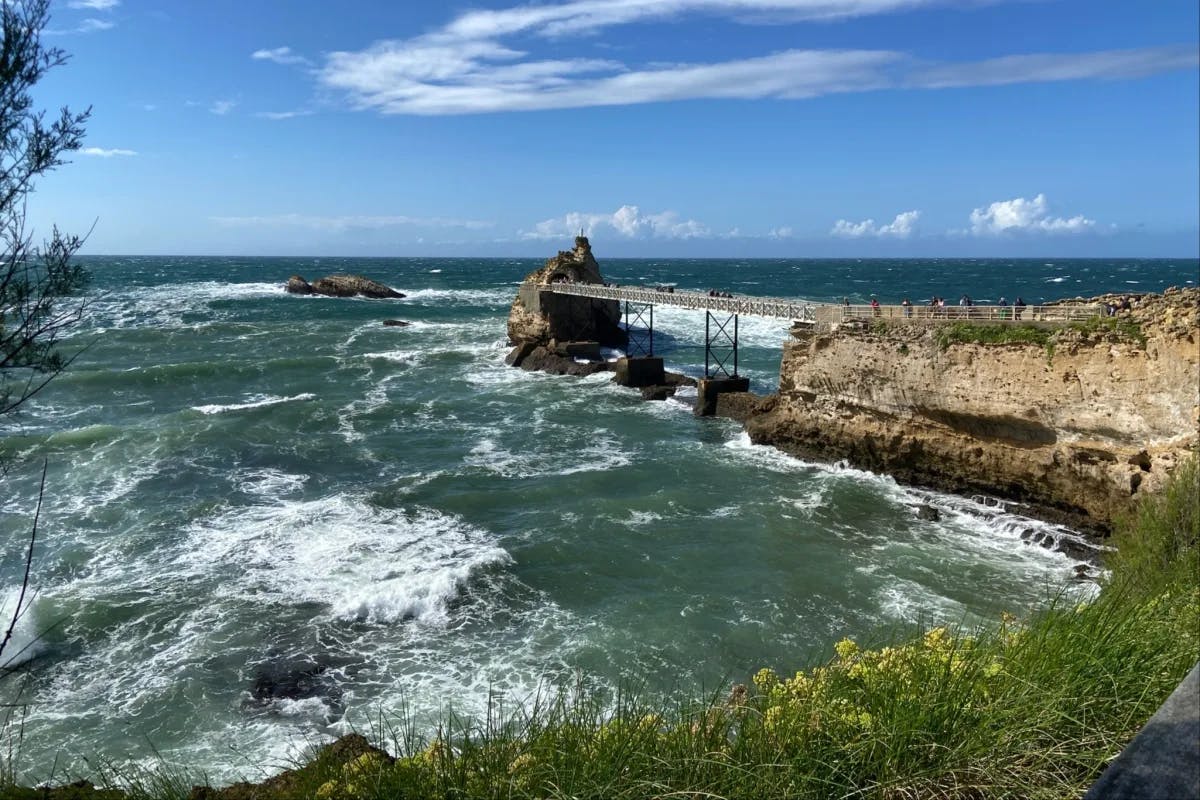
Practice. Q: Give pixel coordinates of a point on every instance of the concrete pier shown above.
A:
(639, 372)
(708, 390)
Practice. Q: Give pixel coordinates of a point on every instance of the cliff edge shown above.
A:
(1074, 423)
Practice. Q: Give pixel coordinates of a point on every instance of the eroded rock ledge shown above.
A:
(1075, 428)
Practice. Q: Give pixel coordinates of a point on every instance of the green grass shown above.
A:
(1030, 708)
(965, 333)
(1123, 327)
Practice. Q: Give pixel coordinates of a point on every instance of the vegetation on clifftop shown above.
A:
(1030, 709)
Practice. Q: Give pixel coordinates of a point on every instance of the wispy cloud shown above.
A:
(88, 25)
(348, 222)
(94, 5)
(781, 233)
(100, 152)
(279, 55)
(627, 221)
(400, 80)
(466, 67)
(1047, 67)
(283, 114)
(587, 16)
(902, 227)
(1025, 216)
(222, 107)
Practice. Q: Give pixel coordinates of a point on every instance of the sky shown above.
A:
(662, 128)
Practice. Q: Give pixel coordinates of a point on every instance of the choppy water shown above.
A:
(248, 489)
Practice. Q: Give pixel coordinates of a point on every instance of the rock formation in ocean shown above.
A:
(1076, 427)
(540, 317)
(341, 286)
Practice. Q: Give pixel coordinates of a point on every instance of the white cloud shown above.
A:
(282, 114)
(343, 223)
(586, 16)
(88, 25)
(100, 152)
(222, 107)
(94, 5)
(1046, 67)
(780, 233)
(1020, 215)
(902, 227)
(396, 78)
(627, 221)
(279, 55)
(465, 67)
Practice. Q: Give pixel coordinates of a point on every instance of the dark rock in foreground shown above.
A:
(396, 323)
(341, 286)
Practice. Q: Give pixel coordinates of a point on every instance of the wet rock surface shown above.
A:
(342, 286)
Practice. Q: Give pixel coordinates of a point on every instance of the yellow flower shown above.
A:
(846, 649)
(365, 764)
(765, 680)
(327, 790)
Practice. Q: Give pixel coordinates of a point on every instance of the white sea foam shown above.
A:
(499, 296)
(269, 482)
(361, 563)
(164, 306)
(254, 401)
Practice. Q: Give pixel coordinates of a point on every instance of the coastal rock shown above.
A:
(537, 358)
(1076, 432)
(538, 317)
(297, 285)
(396, 323)
(657, 392)
(341, 286)
(928, 513)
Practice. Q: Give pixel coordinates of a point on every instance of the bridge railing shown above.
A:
(990, 315)
(779, 308)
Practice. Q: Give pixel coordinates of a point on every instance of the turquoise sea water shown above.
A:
(269, 518)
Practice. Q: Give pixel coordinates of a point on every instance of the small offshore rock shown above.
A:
(297, 285)
(351, 286)
(928, 513)
(396, 323)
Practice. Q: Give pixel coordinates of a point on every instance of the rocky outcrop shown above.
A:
(538, 317)
(1076, 428)
(341, 286)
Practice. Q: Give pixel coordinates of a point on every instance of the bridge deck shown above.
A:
(798, 310)
(828, 314)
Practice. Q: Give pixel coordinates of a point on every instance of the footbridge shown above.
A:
(722, 311)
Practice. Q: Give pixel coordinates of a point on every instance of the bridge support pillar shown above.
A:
(639, 372)
(710, 388)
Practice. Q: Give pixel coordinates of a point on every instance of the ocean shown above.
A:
(270, 520)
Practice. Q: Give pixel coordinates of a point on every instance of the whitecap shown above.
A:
(255, 401)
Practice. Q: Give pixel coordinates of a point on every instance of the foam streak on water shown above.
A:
(246, 488)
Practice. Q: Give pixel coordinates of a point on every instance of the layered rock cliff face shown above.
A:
(539, 318)
(1076, 427)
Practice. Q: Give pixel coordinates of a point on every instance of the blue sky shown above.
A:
(664, 127)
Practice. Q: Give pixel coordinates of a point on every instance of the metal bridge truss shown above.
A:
(798, 310)
(639, 325)
(720, 345)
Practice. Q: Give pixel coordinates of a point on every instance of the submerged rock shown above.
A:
(928, 513)
(396, 323)
(342, 286)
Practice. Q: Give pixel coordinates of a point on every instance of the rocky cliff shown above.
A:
(1075, 423)
(539, 318)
